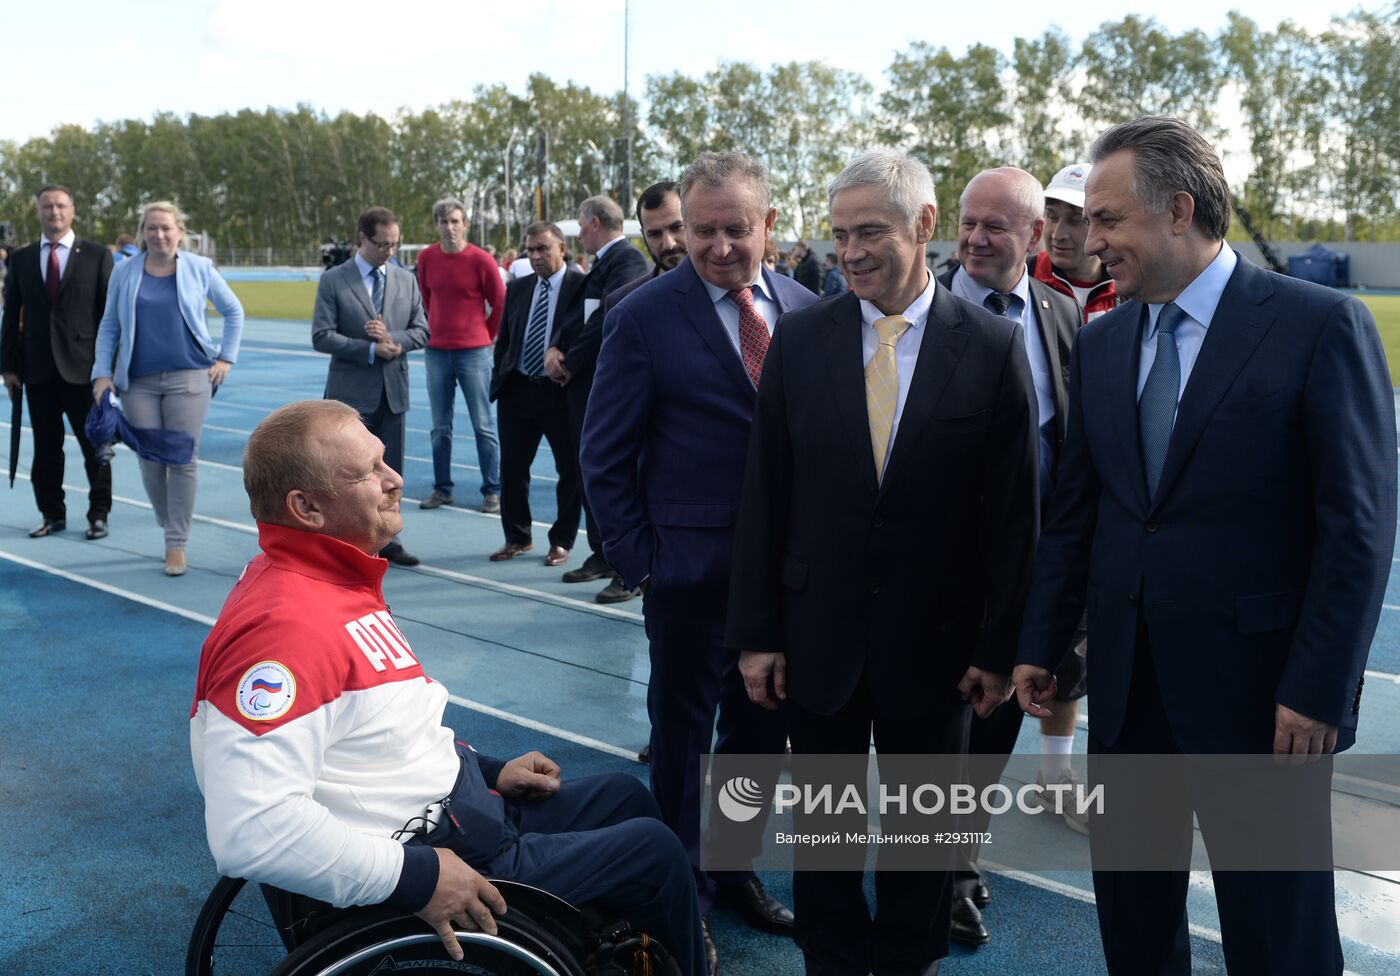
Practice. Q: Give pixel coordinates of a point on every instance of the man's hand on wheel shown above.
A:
(533, 776)
(463, 898)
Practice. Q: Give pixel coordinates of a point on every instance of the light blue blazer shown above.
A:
(196, 281)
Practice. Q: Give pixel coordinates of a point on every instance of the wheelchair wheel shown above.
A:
(383, 941)
(234, 933)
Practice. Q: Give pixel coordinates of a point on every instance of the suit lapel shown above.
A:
(845, 367)
(356, 283)
(1124, 341)
(1049, 339)
(943, 345)
(700, 312)
(1236, 330)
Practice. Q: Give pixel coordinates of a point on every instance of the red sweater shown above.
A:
(456, 290)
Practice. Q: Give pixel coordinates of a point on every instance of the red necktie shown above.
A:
(753, 334)
(51, 279)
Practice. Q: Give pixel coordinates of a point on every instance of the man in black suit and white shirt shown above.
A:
(1002, 216)
(891, 413)
(54, 297)
(573, 354)
(531, 403)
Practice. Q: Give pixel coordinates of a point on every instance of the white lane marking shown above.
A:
(1081, 895)
(529, 723)
(1383, 676)
(200, 618)
(514, 590)
(511, 589)
(409, 457)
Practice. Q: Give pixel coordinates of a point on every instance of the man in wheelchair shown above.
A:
(318, 741)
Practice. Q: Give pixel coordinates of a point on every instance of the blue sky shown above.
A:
(130, 59)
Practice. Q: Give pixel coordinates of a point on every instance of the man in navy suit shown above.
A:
(1225, 506)
(663, 460)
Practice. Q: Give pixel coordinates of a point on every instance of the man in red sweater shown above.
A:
(1063, 264)
(463, 295)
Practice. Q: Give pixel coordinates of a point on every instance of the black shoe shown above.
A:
(49, 527)
(982, 897)
(616, 592)
(759, 908)
(97, 529)
(595, 567)
(966, 927)
(645, 755)
(711, 953)
(398, 555)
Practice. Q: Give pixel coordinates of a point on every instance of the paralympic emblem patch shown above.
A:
(266, 691)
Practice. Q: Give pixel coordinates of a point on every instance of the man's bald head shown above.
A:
(1002, 215)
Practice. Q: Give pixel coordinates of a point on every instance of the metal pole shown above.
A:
(509, 143)
(626, 188)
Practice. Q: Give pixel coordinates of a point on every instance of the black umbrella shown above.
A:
(16, 408)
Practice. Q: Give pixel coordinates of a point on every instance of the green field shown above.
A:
(276, 299)
(294, 300)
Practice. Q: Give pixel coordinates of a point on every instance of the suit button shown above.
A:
(874, 587)
(1151, 526)
(1132, 598)
(879, 523)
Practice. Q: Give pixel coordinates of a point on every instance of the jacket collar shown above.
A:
(320, 557)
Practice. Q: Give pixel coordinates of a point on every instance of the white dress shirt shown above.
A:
(1198, 300)
(906, 348)
(1023, 311)
(65, 248)
(555, 281)
(728, 310)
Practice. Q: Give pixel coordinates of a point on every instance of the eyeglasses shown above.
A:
(383, 245)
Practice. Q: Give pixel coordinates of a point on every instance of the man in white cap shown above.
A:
(1063, 264)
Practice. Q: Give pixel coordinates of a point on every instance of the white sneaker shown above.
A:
(1068, 809)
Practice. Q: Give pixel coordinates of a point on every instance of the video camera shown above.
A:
(335, 252)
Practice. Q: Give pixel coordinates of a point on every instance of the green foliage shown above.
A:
(1320, 114)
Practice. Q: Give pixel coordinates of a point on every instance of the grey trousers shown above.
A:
(175, 400)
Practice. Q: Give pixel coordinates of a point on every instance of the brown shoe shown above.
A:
(557, 556)
(509, 551)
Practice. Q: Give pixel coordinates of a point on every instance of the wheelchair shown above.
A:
(251, 930)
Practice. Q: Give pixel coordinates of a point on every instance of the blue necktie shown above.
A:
(536, 333)
(377, 293)
(1157, 405)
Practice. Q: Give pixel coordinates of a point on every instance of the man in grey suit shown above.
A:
(369, 316)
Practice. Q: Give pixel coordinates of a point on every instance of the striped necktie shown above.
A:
(536, 333)
(377, 293)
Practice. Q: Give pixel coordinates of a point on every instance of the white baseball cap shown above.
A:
(1068, 184)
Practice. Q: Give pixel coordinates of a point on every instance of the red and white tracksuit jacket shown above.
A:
(315, 733)
(1103, 297)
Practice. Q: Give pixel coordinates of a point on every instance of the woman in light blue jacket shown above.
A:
(153, 345)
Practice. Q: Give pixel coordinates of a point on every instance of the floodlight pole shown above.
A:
(509, 143)
(626, 188)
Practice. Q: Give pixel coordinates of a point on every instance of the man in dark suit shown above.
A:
(1001, 220)
(1225, 506)
(663, 460)
(885, 535)
(532, 403)
(55, 293)
(369, 316)
(663, 235)
(573, 355)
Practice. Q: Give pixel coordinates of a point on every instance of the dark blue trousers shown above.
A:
(1272, 923)
(600, 839)
(692, 675)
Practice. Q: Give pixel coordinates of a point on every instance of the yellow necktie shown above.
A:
(882, 386)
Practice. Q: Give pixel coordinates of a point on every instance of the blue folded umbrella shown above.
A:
(106, 423)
